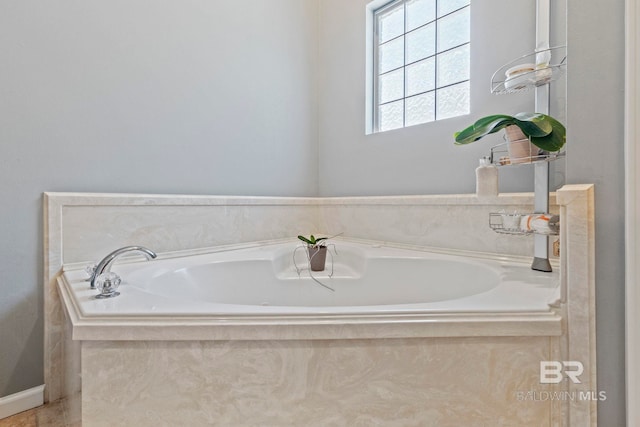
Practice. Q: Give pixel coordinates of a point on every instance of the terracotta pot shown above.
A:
(521, 150)
(318, 256)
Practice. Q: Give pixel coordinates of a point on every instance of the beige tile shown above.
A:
(422, 382)
(72, 410)
(23, 419)
(51, 415)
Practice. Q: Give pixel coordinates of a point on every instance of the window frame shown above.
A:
(376, 8)
(376, 61)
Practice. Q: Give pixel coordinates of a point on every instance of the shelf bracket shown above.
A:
(541, 171)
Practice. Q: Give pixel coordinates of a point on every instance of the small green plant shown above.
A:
(314, 242)
(542, 130)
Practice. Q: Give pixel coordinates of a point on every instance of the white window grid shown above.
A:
(376, 74)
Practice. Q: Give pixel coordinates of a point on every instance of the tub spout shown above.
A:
(104, 266)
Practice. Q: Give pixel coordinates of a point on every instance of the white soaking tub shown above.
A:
(232, 336)
(361, 280)
(237, 331)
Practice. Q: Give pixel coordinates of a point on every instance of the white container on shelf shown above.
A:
(486, 179)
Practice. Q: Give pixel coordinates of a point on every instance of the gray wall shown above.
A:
(595, 154)
(192, 96)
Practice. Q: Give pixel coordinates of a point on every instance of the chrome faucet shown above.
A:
(104, 266)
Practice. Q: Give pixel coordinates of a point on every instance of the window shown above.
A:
(421, 62)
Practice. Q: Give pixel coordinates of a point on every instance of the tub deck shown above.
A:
(519, 303)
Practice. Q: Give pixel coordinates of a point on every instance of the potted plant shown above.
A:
(317, 251)
(522, 131)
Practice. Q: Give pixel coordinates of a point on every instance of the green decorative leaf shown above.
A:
(533, 124)
(482, 127)
(304, 239)
(555, 140)
(544, 131)
(312, 240)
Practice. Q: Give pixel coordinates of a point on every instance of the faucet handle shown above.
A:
(90, 269)
(108, 283)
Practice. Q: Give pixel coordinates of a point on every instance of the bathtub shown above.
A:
(247, 338)
(360, 278)
(232, 335)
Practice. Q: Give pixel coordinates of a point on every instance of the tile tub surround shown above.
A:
(457, 222)
(392, 382)
(66, 241)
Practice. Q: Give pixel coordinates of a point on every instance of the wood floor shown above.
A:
(50, 415)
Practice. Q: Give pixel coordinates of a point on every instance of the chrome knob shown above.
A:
(107, 284)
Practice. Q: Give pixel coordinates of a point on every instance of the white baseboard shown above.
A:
(21, 401)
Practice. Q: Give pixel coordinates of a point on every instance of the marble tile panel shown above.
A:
(464, 227)
(405, 382)
(71, 380)
(90, 232)
(53, 310)
(579, 240)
